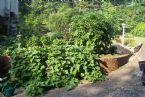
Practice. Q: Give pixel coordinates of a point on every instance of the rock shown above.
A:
(119, 49)
(137, 48)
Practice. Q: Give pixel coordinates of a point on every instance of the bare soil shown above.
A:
(123, 82)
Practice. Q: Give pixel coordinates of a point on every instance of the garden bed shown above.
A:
(111, 63)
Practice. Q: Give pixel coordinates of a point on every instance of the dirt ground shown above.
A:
(123, 82)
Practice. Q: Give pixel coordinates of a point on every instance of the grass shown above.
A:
(139, 40)
(131, 41)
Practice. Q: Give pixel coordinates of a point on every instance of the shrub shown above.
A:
(92, 30)
(58, 64)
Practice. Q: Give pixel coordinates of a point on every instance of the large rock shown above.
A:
(119, 49)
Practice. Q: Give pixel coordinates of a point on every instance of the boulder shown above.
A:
(120, 49)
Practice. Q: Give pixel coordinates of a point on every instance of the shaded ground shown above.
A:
(123, 82)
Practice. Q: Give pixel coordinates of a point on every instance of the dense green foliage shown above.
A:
(39, 65)
(52, 60)
(139, 30)
(58, 40)
(92, 30)
(49, 17)
(56, 16)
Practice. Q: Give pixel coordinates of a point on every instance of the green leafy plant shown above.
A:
(39, 65)
(93, 31)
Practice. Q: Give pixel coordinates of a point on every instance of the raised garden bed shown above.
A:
(111, 63)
